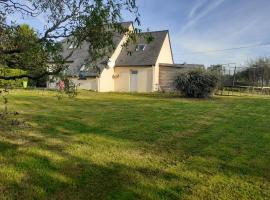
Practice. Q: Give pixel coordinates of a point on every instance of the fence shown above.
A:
(242, 80)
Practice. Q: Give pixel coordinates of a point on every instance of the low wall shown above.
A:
(88, 84)
(168, 74)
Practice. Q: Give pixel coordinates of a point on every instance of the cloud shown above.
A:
(185, 51)
(195, 8)
(194, 19)
(214, 27)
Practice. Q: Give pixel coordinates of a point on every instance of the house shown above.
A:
(148, 69)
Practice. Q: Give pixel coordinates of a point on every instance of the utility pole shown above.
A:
(254, 76)
(262, 81)
(234, 75)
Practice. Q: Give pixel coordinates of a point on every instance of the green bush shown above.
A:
(196, 83)
(11, 72)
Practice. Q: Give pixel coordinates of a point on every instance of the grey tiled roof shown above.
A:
(78, 58)
(81, 55)
(146, 57)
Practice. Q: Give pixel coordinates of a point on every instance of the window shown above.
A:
(71, 46)
(133, 71)
(82, 76)
(83, 68)
(65, 71)
(140, 47)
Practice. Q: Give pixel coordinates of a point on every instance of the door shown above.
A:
(133, 81)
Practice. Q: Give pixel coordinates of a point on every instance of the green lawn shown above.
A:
(123, 146)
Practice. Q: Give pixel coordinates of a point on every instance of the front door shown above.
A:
(133, 81)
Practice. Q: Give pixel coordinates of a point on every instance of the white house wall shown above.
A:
(165, 56)
(88, 84)
(106, 81)
(122, 79)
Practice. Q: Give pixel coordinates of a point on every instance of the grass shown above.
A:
(124, 146)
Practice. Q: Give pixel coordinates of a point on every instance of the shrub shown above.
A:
(196, 83)
(11, 72)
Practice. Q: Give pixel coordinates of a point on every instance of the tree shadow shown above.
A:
(158, 128)
(157, 136)
(5, 147)
(72, 177)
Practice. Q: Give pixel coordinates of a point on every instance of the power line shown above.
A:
(229, 49)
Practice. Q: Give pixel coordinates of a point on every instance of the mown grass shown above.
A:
(124, 146)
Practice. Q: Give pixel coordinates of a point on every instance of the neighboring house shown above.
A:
(149, 68)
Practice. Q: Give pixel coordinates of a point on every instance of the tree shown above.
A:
(215, 68)
(23, 51)
(262, 70)
(94, 21)
(256, 74)
(218, 71)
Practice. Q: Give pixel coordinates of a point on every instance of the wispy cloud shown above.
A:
(195, 8)
(223, 25)
(193, 19)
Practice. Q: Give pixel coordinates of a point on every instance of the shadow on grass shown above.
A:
(6, 146)
(158, 128)
(206, 136)
(231, 158)
(50, 172)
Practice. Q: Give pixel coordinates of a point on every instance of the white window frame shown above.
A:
(83, 68)
(140, 47)
(71, 46)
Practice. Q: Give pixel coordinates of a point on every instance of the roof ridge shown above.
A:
(156, 31)
(127, 22)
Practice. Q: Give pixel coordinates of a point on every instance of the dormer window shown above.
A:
(83, 68)
(140, 47)
(65, 71)
(71, 46)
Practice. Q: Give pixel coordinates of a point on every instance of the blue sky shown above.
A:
(206, 25)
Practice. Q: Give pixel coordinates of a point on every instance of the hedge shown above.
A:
(11, 72)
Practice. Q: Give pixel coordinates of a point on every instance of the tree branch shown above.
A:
(46, 73)
(11, 6)
(54, 27)
(9, 52)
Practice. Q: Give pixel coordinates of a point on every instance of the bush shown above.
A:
(196, 83)
(11, 72)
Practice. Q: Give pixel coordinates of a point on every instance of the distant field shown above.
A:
(124, 146)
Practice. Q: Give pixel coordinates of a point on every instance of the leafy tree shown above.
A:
(11, 72)
(24, 51)
(94, 21)
(39, 54)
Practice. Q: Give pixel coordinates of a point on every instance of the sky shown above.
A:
(199, 26)
(207, 25)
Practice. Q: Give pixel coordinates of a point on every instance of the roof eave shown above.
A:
(139, 65)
